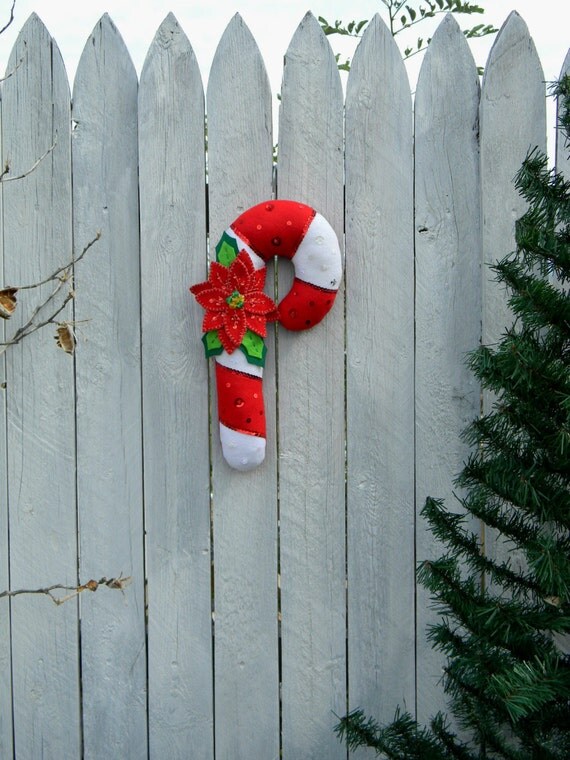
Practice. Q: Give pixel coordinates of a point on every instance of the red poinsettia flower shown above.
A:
(234, 301)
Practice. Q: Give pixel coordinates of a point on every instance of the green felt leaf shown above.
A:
(254, 348)
(226, 250)
(212, 343)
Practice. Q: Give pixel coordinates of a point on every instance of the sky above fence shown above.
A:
(272, 24)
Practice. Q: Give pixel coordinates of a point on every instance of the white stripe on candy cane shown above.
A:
(241, 451)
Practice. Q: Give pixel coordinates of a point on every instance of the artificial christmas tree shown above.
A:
(503, 620)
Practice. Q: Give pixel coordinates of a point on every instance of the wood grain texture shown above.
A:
(244, 504)
(40, 402)
(513, 122)
(311, 420)
(448, 300)
(109, 452)
(175, 399)
(380, 377)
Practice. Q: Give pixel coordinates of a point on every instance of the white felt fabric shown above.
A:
(318, 259)
(241, 451)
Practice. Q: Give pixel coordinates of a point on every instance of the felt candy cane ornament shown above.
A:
(237, 310)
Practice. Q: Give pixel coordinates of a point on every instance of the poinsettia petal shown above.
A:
(259, 303)
(235, 325)
(200, 286)
(218, 275)
(257, 280)
(226, 341)
(240, 272)
(257, 324)
(212, 299)
(212, 320)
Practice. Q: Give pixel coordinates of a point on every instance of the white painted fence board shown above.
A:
(512, 122)
(448, 300)
(245, 504)
(40, 402)
(311, 421)
(175, 399)
(380, 386)
(109, 471)
(6, 734)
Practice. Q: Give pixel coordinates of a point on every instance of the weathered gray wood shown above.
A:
(245, 504)
(380, 384)
(175, 399)
(6, 733)
(40, 402)
(109, 454)
(448, 300)
(311, 421)
(512, 122)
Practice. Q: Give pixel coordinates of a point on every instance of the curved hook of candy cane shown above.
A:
(299, 233)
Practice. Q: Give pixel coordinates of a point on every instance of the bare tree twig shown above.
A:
(62, 275)
(120, 583)
(4, 174)
(13, 71)
(10, 19)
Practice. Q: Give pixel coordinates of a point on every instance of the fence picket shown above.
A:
(109, 455)
(40, 401)
(244, 505)
(311, 420)
(448, 299)
(512, 122)
(175, 398)
(380, 367)
(6, 715)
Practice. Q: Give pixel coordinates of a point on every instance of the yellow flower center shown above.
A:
(236, 300)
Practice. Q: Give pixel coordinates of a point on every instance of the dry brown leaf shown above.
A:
(65, 337)
(7, 302)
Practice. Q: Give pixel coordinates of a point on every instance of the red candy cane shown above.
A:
(237, 310)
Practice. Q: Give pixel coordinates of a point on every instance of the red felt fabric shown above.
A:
(305, 305)
(240, 401)
(274, 228)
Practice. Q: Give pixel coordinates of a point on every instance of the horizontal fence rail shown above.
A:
(236, 615)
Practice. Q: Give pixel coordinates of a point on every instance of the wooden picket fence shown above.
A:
(261, 605)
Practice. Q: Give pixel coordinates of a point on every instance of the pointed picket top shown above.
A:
(169, 40)
(448, 73)
(377, 36)
(238, 47)
(32, 38)
(448, 53)
(311, 95)
(310, 49)
(239, 126)
(512, 49)
(117, 60)
(309, 36)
